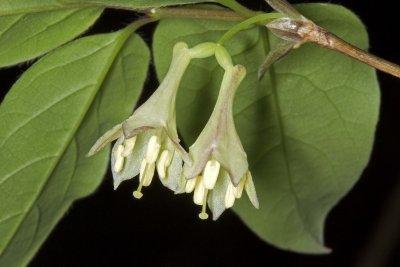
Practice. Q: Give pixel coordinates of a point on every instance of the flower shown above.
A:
(148, 140)
(219, 171)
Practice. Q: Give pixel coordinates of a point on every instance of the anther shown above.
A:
(153, 148)
(229, 196)
(129, 145)
(163, 163)
(200, 192)
(190, 184)
(149, 174)
(119, 159)
(238, 190)
(210, 174)
(146, 172)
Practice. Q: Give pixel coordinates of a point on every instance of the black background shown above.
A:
(113, 229)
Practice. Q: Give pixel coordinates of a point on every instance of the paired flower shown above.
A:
(148, 140)
(216, 167)
(219, 171)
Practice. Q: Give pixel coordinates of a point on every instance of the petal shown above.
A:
(182, 152)
(182, 184)
(172, 179)
(132, 162)
(229, 150)
(200, 152)
(105, 139)
(251, 190)
(219, 139)
(216, 197)
(159, 110)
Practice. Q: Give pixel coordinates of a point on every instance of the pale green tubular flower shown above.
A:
(219, 171)
(148, 140)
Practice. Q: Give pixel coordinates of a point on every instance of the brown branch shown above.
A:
(303, 30)
(310, 32)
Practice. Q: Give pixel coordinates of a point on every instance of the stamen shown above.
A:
(142, 169)
(138, 193)
(199, 192)
(203, 215)
(149, 174)
(238, 190)
(153, 148)
(119, 159)
(129, 145)
(145, 177)
(190, 184)
(146, 172)
(162, 164)
(210, 174)
(229, 196)
(168, 160)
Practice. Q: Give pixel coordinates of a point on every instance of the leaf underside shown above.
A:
(308, 126)
(50, 118)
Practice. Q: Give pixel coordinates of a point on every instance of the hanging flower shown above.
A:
(148, 140)
(219, 171)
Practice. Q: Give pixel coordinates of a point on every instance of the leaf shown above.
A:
(50, 119)
(26, 36)
(307, 127)
(136, 3)
(29, 6)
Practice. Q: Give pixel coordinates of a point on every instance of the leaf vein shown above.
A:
(38, 113)
(275, 101)
(5, 178)
(12, 25)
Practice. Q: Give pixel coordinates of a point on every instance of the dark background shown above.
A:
(113, 229)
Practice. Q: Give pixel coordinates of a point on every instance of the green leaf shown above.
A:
(136, 3)
(307, 127)
(50, 119)
(26, 36)
(29, 6)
